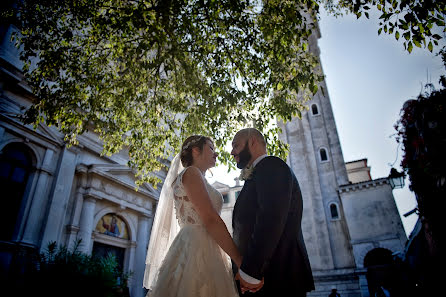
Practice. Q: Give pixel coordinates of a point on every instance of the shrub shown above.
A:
(61, 272)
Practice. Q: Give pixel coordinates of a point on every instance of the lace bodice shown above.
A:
(184, 209)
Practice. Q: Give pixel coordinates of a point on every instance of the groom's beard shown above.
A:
(244, 157)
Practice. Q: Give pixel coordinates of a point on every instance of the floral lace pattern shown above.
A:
(184, 208)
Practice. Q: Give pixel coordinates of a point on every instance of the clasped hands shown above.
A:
(245, 286)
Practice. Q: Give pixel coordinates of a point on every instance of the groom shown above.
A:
(267, 223)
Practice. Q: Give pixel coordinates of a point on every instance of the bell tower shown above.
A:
(316, 158)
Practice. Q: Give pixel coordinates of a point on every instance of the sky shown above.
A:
(369, 77)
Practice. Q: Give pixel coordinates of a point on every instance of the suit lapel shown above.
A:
(244, 192)
(240, 197)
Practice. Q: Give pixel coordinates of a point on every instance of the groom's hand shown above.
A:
(245, 286)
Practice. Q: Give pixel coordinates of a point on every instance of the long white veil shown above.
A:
(165, 226)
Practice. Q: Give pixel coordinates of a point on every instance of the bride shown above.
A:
(190, 244)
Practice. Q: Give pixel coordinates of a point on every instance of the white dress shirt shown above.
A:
(243, 275)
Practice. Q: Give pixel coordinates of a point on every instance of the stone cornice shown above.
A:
(354, 161)
(363, 185)
(121, 242)
(376, 239)
(71, 229)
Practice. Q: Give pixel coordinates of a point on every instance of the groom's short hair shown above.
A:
(253, 132)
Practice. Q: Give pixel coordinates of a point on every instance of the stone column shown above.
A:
(86, 224)
(39, 202)
(61, 195)
(73, 227)
(144, 226)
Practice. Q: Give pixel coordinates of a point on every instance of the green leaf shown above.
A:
(407, 35)
(314, 89)
(404, 25)
(397, 35)
(420, 26)
(430, 46)
(409, 47)
(416, 42)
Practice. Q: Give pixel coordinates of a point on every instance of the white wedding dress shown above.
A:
(195, 265)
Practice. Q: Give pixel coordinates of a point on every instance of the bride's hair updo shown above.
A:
(186, 149)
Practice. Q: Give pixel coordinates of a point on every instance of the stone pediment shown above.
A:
(51, 134)
(90, 141)
(123, 175)
(10, 112)
(116, 183)
(127, 174)
(219, 185)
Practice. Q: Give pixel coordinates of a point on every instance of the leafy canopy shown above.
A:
(146, 74)
(418, 22)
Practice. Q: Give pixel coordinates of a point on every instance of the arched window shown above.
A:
(314, 109)
(323, 154)
(334, 211)
(15, 168)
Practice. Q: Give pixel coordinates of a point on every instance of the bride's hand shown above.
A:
(245, 286)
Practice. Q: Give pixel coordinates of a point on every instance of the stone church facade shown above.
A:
(55, 193)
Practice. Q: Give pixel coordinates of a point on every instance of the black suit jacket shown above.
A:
(267, 229)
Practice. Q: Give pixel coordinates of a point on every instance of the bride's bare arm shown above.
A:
(196, 191)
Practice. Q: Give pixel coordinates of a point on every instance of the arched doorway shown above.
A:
(16, 166)
(379, 271)
(112, 239)
(378, 256)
